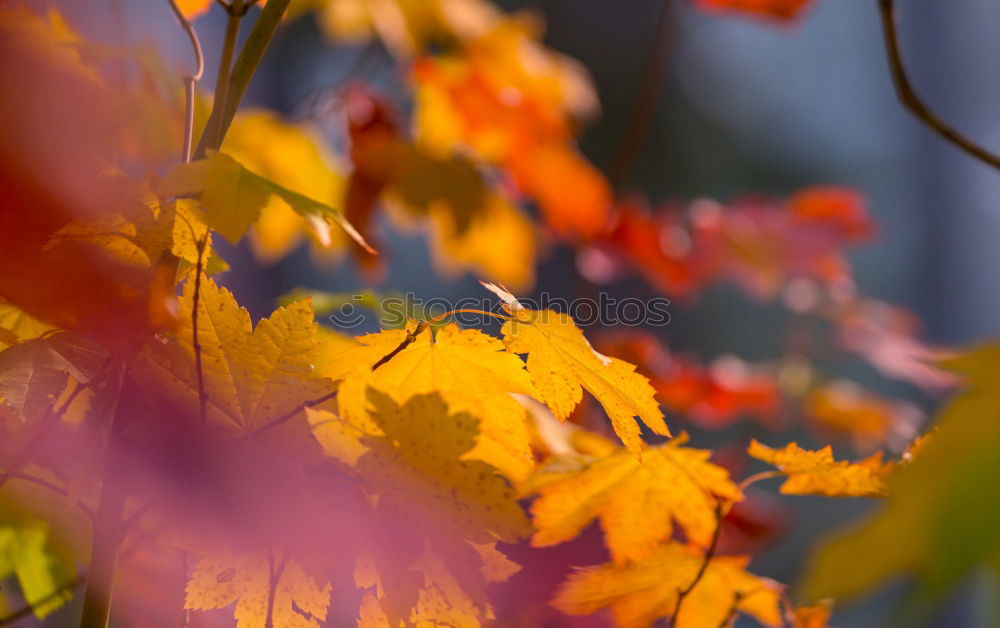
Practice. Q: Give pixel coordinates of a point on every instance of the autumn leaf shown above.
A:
(940, 519)
(453, 509)
(25, 553)
(418, 464)
(637, 503)
(640, 593)
(292, 156)
(300, 600)
(193, 8)
(252, 375)
(813, 615)
(469, 369)
(817, 473)
(562, 363)
(233, 196)
(779, 9)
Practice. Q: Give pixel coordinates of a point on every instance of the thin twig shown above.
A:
(189, 81)
(909, 97)
(202, 393)
(647, 98)
(709, 553)
(52, 417)
(28, 609)
(411, 337)
(11, 475)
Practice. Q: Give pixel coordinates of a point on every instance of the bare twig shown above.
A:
(709, 554)
(647, 99)
(51, 418)
(28, 609)
(196, 345)
(411, 337)
(11, 475)
(275, 571)
(189, 81)
(909, 97)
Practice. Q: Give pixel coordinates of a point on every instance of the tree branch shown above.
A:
(908, 96)
(12, 475)
(645, 104)
(28, 609)
(243, 70)
(189, 81)
(195, 344)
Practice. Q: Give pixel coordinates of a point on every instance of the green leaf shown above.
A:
(233, 197)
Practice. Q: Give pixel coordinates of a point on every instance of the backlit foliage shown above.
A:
(281, 473)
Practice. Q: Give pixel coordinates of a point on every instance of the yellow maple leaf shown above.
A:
(19, 325)
(418, 464)
(233, 198)
(640, 593)
(562, 363)
(454, 510)
(300, 600)
(292, 156)
(468, 368)
(193, 8)
(817, 473)
(251, 375)
(636, 502)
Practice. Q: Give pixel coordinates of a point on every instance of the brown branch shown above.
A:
(51, 418)
(709, 553)
(200, 371)
(644, 110)
(908, 96)
(28, 609)
(411, 337)
(12, 475)
(189, 81)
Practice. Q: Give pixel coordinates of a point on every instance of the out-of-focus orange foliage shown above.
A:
(780, 9)
(869, 420)
(57, 145)
(512, 103)
(714, 396)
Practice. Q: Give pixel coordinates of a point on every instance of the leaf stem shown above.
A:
(757, 477)
(243, 70)
(235, 11)
(887, 9)
(11, 475)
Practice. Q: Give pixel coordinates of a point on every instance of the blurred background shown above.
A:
(742, 106)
